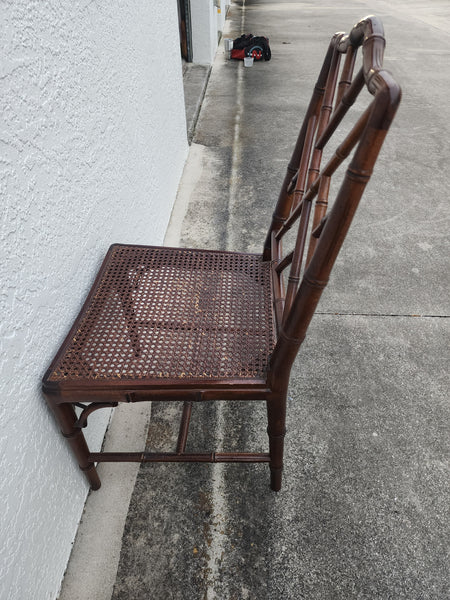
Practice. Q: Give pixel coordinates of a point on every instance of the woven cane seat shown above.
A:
(170, 313)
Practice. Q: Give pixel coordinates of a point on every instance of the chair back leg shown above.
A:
(276, 429)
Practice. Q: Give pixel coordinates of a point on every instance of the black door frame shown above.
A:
(184, 21)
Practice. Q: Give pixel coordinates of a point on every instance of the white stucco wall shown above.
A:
(222, 13)
(92, 146)
(207, 22)
(204, 31)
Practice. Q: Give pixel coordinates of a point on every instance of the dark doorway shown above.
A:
(184, 21)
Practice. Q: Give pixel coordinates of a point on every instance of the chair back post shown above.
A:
(387, 95)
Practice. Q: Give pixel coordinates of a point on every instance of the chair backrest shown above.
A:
(301, 274)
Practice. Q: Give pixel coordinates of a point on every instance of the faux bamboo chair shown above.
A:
(192, 325)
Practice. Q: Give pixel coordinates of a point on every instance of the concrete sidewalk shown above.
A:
(364, 511)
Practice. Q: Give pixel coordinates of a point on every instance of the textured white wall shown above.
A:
(92, 146)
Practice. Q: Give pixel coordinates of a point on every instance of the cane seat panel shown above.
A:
(171, 313)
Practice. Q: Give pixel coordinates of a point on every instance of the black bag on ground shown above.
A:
(251, 45)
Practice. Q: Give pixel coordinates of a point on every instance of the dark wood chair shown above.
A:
(191, 325)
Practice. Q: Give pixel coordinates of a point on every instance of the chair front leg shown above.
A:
(66, 418)
(276, 416)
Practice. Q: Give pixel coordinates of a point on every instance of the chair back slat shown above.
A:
(285, 262)
(325, 113)
(342, 108)
(320, 210)
(308, 188)
(302, 173)
(278, 283)
(347, 73)
(330, 90)
(294, 273)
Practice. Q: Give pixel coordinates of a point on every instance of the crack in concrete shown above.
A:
(236, 157)
(219, 505)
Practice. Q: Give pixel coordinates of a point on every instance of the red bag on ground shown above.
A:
(256, 47)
